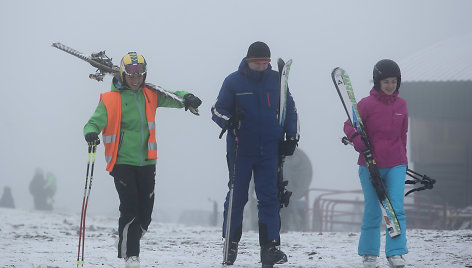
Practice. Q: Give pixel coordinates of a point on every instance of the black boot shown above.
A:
(270, 255)
(232, 252)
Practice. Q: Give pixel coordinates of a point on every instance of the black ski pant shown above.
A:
(135, 187)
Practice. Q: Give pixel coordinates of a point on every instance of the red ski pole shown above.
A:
(92, 148)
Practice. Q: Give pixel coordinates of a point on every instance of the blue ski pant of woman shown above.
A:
(369, 242)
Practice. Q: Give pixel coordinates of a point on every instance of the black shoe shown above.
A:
(232, 252)
(271, 255)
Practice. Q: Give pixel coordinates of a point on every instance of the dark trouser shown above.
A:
(264, 169)
(135, 187)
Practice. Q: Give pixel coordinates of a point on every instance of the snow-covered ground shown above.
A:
(48, 239)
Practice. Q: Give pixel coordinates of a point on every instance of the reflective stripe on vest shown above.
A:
(111, 133)
(151, 106)
(109, 139)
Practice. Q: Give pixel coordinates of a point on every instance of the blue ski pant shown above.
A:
(369, 241)
(264, 169)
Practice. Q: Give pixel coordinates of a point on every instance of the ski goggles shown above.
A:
(135, 69)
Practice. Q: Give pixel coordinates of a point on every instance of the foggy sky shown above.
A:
(47, 96)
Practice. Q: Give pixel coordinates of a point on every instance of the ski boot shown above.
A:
(271, 254)
(232, 252)
(132, 262)
(369, 261)
(396, 261)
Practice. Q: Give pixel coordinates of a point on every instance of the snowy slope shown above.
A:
(48, 239)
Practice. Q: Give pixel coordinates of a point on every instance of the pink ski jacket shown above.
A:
(385, 119)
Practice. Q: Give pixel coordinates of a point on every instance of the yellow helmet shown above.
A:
(132, 63)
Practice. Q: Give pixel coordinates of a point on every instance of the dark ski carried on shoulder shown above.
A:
(343, 86)
(105, 66)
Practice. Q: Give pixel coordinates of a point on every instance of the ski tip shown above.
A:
(280, 61)
(337, 70)
(280, 64)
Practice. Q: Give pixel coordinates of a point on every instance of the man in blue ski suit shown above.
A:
(247, 106)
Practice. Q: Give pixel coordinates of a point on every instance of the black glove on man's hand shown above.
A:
(92, 137)
(191, 100)
(234, 123)
(287, 147)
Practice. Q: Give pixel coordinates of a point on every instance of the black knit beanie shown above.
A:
(258, 51)
(384, 69)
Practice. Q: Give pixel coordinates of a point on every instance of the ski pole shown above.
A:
(230, 206)
(91, 152)
(428, 183)
(94, 149)
(83, 204)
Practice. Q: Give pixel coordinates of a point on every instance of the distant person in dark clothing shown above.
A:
(7, 199)
(43, 190)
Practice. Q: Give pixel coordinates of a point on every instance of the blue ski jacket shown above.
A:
(256, 95)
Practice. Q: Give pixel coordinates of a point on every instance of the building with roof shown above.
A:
(437, 85)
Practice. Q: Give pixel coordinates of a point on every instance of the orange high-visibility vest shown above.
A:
(111, 132)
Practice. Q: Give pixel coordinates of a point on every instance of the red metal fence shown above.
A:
(335, 210)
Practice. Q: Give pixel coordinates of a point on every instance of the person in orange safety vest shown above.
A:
(125, 116)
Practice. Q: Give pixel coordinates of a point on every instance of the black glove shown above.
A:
(92, 137)
(287, 147)
(192, 101)
(234, 123)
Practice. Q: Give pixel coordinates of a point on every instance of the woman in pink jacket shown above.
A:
(385, 119)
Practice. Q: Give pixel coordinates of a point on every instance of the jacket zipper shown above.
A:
(142, 124)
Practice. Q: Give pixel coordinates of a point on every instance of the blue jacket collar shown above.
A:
(252, 75)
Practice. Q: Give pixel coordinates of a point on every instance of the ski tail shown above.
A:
(98, 60)
(71, 51)
(345, 91)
